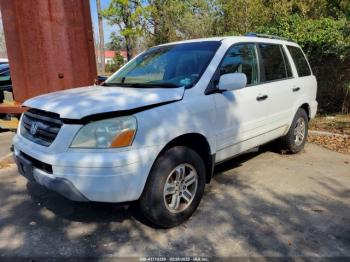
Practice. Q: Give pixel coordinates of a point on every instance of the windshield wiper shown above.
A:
(108, 84)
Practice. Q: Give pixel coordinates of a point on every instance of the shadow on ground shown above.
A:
(259, 204)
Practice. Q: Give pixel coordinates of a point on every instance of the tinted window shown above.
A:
(273, 62)
(300, 62)
(241, 58)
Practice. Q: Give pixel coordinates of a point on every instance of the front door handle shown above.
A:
(296, 89)
(261, 97)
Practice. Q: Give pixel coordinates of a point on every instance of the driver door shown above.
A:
(241, 114)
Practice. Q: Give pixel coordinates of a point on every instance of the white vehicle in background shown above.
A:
(4, 61)
(156, 128)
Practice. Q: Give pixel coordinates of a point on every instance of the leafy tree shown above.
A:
(323, 36)
(116, 43)
(321, 27)
(326, 42)
(171, 20)
(240, 16)
(127, 15)
(198, 20)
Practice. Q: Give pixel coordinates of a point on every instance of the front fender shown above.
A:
(160, 125)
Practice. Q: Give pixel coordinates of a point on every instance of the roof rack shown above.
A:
(268, 36)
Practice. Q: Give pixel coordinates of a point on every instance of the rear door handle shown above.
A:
(261, 97)
(296, 89)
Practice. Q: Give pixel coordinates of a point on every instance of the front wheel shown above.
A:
(294, 141)
(174, 188)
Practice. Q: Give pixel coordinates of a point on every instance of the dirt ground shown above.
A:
(5, 143)
(259, 204)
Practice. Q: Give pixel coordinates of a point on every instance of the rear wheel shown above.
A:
(174, 188)
(294, 140)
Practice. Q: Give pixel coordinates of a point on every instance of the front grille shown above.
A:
(41, 127)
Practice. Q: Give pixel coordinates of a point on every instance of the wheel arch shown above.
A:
(306, 107)
(198, 143)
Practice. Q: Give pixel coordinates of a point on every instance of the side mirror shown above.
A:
(232, 81)
(100, 79)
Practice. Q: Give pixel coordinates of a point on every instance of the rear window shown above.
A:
(300, 62)
(273, 60)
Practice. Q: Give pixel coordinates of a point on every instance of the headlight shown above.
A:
(114, 132)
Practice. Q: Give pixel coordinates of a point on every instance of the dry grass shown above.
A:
(339, 124)
(336, 124)
(335, 143)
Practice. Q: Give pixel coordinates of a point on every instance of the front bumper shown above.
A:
(89, 175)
(60, 185)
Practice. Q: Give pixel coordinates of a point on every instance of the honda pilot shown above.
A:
(155, 129)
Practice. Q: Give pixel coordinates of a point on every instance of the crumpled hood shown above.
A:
(80, 102)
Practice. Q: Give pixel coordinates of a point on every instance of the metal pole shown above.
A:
(101, 35)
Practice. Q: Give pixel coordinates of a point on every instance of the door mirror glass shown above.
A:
(232, 81)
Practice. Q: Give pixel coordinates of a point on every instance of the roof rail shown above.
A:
(268, 36)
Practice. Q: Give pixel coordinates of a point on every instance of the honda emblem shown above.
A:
(34, 128)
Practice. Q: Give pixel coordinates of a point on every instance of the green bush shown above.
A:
(118, 62)
(326, 42)
(325, 36)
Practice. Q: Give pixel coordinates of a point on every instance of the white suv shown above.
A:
(154, 131)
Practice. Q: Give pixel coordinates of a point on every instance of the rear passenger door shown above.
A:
(305, 83)
(278, 82)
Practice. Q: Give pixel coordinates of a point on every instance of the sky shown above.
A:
(107, 29)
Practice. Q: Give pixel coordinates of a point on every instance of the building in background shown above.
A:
(109, 55)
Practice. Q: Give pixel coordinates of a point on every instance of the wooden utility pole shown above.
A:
(102, 41)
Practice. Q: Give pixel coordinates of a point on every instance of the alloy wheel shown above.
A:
(180, 188)
(299, 131)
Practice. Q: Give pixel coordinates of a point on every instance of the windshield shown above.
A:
(167, 66)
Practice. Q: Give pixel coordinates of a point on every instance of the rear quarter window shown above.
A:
(300, 62)
(275, 66)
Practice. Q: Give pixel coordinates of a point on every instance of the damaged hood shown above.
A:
(80, 102)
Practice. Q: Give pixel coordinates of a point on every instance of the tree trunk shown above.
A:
(345, 108)
(102, 42)
(128, 48)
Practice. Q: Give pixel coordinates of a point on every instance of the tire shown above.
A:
(157, 204)
(291, 142)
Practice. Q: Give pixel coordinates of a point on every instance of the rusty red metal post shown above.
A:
(50, 45)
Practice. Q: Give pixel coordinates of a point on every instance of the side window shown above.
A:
(300, 62)
(273, 62)
(242, 58)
